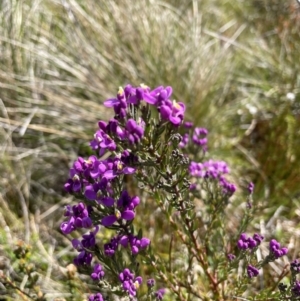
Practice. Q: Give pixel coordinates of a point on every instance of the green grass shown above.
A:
(232, 62)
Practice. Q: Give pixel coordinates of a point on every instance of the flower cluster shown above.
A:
(252, 271)
(276, 250)
(78, 218)
(135, 243)
(129, 282)
(131, 146)
(88, 242)
(99, 180)
(124, 209)
(231, 257)
(213, 170)
(209, 169)
(245, 242)
(93, 176)
(98, 272)
(159, 97)
(296, 289)
(96, 297)
(250, 187)
(295, 266)
(197, 137)
(160, 293)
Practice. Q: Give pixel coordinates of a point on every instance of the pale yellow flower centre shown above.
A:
(136, 284)
(121, 91)
(176, 105)
(143, 86)
(117, 214)
(119, 166)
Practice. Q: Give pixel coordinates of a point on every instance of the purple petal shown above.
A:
(134, 250)
(150, 99)
(90, 193)
(111, 102)
(131, 125)
(107, 201)
(128, 170)
(109, 174)
(86, 222)
(124, 241)
(145, 242)
(175, 120)
(128, 215)
(165, 112)
(102, 125)
(108, 220)
(76, 244)
(139, 279)
(68, 227)
(68, 185)
(132, 99)
(76, 185)
(135, 201)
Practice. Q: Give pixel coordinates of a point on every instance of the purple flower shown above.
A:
(173, 112)
(184, 141)
(276, 249)
(295, 266)
(245, 242)
(188, 124)
(119, 103)
(111, 247)
(242, 242)
(96, 297)
(83, 259)
(193, 186)
(96, 168)
(228, 188)
(160, 293)
(213, 170)
(120, 100)
(129, 95)
(111, 219)
(79, 218)
(125, 210)
(258, 238)
(127, 202)
(102, 142)
(98, 272)
(230, 257)
(209, 169)
(135, 243)
(296, 288)
(96, 191)
(158, 95)
(112, 128)
(250, 187)
(136, 95)
(134, 131)
(129, 283)
(116, 167)
(88, 241)
(150, 282)
(74, 183)
(252, 271)
(199, 137)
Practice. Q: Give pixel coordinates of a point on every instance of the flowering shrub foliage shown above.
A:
(149, 142)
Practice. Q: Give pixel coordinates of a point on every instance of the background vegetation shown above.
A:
(234, 63)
